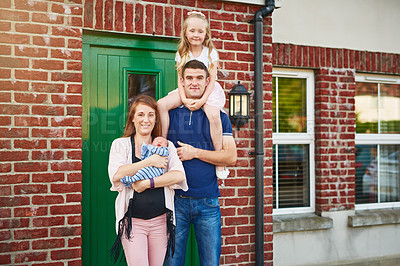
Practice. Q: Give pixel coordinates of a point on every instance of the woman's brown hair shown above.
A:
(146, 100)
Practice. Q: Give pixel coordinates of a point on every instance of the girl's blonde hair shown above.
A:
(184, 45)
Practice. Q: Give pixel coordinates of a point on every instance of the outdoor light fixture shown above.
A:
(239, 105)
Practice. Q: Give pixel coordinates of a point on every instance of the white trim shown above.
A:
(299, 138)
(377, 139)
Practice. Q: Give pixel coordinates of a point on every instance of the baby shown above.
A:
(160, 147)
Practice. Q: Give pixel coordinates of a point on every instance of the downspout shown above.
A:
(259, 129)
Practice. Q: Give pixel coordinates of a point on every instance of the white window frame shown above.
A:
(375, 139)
(300, 138)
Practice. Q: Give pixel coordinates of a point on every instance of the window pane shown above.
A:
(291, 176)
(389, 112)
(366, 102)
(389, 173)
(141, 84)
(366, 174)
(291, 116)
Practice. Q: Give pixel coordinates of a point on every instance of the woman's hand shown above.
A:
(141, 185)
(158, 161)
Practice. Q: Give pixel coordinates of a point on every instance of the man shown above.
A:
(190, 132)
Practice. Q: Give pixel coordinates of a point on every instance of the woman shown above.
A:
(145, 212)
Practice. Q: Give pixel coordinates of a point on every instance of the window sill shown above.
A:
(301, 222)
(374, 217)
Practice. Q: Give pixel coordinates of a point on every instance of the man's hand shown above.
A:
(186, 151)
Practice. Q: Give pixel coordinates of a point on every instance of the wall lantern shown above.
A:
(239, 105)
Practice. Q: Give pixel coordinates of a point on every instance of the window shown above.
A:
(377, 105)
(293, 141)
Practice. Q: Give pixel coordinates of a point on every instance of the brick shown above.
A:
(5, 259)
(159, 14)
(48, 177)
(66, 254)
(13, 223)
(30, 234)
(48, 221)
(48, 87)
(13, 155)
(31, 28)
(66, 231)
(48, 200)
(108, 14)
(5, 96)
(67, 31)
(66, 188)
(5, 143)
(33, 256)
(66, 99)
(30, 6)
(73, 111)
(30, 144)
(13, 201)
(66, 144)
(13, 15)
(47, 110)
(75, 220)
(74, 177)
(75, 44)
(67, 121)
(48, 41)
(75, 242)
(47, 133)
(74, 88)
(65, 54)
(30, 211)
(29, 121)
(77, 66)
(88, 14)
(66, 76)
(21, 50)
(30, 75)
(47, 18)
(31, 167)
(30, 189)
(74, 197)
(30, 98)
(74, 155)
(5, 49)
(47, 155)
(10, 62)
(13, 109)
(5, 4)
(6, 247)
(119, 16)
(14, 179)
(149, 19)
(5, 168)
(99, 15)
(14, 38)
(46, 244)
(48, 64)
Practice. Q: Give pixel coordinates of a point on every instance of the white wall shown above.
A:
(355, 24)
(338, 243)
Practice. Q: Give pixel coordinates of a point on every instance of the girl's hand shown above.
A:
(197, 104)
(141, 185)
(158, 161)
(187, 102)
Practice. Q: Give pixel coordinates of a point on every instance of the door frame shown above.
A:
(90, 39)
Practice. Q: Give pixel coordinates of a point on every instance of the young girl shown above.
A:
(195, 43)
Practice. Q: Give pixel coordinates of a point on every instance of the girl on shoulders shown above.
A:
(195, 43)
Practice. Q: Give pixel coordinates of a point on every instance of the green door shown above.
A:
(115, 68)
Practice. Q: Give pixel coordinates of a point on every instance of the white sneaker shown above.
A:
(222, 174)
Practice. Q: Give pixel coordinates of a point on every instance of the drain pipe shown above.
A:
(259, 129)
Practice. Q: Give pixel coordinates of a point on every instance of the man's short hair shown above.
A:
(195, 64)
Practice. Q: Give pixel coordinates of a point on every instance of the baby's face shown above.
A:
(160, 142)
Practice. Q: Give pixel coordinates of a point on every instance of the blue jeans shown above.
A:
(205, 214)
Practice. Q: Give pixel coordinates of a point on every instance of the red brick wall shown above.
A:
(335, 71)
(40, 119)
(40, 131)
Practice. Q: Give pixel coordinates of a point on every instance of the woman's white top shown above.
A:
(121, 154)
